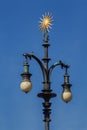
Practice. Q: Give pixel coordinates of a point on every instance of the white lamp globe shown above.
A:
(26, 86)
(66, 96)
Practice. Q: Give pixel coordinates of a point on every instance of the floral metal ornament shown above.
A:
(46, 22)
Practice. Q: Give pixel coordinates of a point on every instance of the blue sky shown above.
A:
(19, 33)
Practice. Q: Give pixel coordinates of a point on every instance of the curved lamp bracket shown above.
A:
(57, 64)
(44, 71)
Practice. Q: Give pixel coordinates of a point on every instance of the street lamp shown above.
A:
(46, 94)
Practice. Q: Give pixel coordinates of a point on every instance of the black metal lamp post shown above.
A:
(46, 93)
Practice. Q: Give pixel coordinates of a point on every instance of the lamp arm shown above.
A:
(57, 64)
(44, 72)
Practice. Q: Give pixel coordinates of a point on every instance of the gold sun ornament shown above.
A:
(46, 22)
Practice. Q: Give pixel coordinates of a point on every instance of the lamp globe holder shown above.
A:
(66, 94)
(26, 84)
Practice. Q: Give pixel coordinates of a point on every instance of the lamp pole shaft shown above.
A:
(46, 92)
(46, 58)
(47, 126)
(46, 104)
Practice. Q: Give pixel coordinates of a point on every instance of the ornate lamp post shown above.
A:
(46, 93)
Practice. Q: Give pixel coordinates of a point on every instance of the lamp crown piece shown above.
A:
(46, 22)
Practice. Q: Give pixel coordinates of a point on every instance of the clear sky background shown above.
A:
(19, 33)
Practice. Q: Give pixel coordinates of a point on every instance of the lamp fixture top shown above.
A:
(46, 22)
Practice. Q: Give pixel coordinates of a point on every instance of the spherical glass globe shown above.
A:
(66, 96)
(26, 86)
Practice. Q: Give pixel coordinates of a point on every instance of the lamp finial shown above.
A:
(46, 22)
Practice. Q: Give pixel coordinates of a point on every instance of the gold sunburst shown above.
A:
(46, 22)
